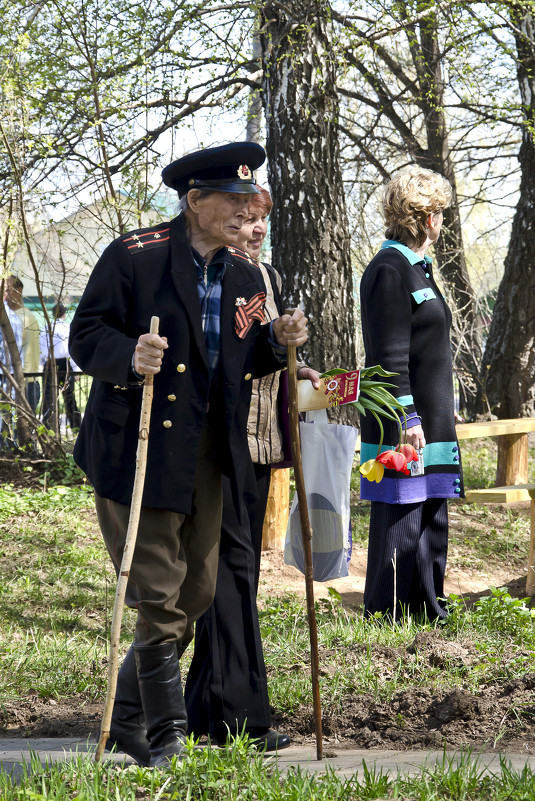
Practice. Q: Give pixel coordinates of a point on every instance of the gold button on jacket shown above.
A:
(171, 397)
(181, 368)
(167, 424)
(248, 376)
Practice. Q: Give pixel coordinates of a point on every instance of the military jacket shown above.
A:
(152, 272)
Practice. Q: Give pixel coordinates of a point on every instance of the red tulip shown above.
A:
(410, 453)
(394, 460)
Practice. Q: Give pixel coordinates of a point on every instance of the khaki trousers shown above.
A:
(174, 569)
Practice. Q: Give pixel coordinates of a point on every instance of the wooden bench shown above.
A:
(512, 467)
(512, 494)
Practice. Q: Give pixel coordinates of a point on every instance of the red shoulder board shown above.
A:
(147, 239)
(241, 255)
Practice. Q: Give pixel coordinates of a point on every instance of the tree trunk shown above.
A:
(254, 111)
(309, 228)
(508, 368)
(449, 248)
(419, 83)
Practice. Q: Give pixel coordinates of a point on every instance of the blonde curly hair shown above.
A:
(408, 199)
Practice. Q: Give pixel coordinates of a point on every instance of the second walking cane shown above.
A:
(128, 553)
(307, 545)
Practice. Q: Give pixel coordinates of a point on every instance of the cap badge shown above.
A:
(191, 182)
(244, 172)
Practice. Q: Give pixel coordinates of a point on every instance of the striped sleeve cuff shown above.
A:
(407, 401)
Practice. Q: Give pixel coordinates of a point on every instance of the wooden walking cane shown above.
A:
(306, 534)
(128, 553)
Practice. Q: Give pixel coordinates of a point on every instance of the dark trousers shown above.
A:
(418, 533)
(65, 385)
(227, 683)
(173, 573)
(33, 393)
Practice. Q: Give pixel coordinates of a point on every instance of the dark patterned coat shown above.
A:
(405, 326)
(141, 274)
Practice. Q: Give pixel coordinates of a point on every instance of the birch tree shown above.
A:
(508, 367)
(400, 82)
(311, 247)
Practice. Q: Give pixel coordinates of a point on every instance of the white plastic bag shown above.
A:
(327, 451)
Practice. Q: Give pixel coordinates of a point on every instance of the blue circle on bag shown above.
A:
(329, 556)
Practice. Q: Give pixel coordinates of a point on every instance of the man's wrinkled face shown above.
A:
(220, 216)
(252, 234)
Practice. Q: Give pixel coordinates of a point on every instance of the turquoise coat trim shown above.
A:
(423, 294)
(436, 453)
(409, 254)
(369, 451)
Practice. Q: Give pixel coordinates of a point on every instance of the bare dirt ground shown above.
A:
(501, 717)
(278, 578)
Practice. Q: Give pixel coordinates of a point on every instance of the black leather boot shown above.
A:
(263, 738)
(158, 674)
(127, 728)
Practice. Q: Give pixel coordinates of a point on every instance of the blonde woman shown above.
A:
(405, 324)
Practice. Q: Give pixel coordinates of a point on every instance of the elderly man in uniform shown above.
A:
(211, 344)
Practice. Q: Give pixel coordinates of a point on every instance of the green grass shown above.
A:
(483, 537)
(237, 772)
(56, 596)
(479, 458)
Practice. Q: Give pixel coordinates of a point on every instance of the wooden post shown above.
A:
(530, 580)
(512, 460)
(277, 511)
(306, 533)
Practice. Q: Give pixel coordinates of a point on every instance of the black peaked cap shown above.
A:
(228, 168)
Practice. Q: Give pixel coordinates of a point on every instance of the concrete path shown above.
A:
(15, 752)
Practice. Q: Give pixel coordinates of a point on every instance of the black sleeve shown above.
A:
(386, 321)
(98, 342)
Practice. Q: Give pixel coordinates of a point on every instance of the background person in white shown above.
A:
(30, 337)
(64, 367)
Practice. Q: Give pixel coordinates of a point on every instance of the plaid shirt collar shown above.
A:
(209, 286)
